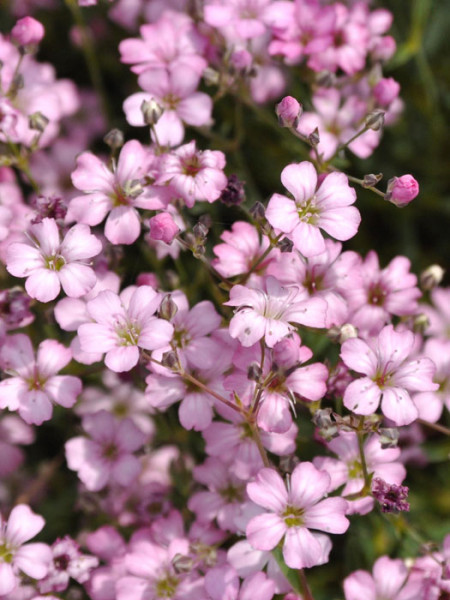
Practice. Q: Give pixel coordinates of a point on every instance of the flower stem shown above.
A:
(306, 592)
(360, 436)
(435, 426)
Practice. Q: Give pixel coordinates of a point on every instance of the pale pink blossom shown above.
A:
(49, 263)
(237, 19)
(222, 583)
(268, 314)
(194, 174)
(391, 373)
(123, 324)
(293, 513)
(117, 193)
(170, 42)
(176, 92)
(17, 556)
(106, 456)
(314, 207)
(388, 582)
(34, 384)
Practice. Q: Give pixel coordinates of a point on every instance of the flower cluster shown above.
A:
(215, 389)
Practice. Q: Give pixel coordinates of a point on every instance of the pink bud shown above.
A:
(386, 90)
(401, 190)
(288, 112)
(163, 227)
(148, 279)
(27, 31)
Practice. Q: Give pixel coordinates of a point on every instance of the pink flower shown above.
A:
(33, 559)
(222, 583)
(117, 192)
(35, 385)
(48, 263)
(175, 91)
(325, 207)
(293, 513)
(390, 374)
(27, 31)
(389, 581)
(163, 227)
(194, 174)
(124, 324)
(402, 190)
(107, 457)
(269, 313)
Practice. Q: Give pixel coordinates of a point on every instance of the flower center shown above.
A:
(166, 588)
(55, 262)
(377, 295)
(355, 470)
(191, 166)
(309, 212)
(128, 332)
(5, 553)
(293, 516)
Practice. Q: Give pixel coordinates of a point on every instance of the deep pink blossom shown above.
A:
(35, 384)
(49, 263)
(314, 207)
(293, 513)
(402, 190)
(391, 373)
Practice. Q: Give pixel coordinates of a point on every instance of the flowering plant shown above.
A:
(220, 377)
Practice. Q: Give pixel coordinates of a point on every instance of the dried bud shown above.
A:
(254, 372)
(151, 111)
(420, 324)
(38, 121)
(431, 277)
(314, 138)
(168, 308)
(114, 139)
(285, 245)
(182, 563)
(375, 120)
(234, 193)
(340, 334)
(391, 497)
(288, 112)
(325, 79)
(372, 180)
(288, 463)
(401, 190)
(388, 437)
(200, 231)
(326, 425)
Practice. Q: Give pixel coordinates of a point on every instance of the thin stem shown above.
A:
(360, 436)
(209, 391)
(306, 592)
(352, 139)
(260, 259)
(435, 426)
(257, 439)
(361, 183)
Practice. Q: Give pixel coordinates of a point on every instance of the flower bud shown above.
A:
(170, 360)
(38, 121)
(168, 308)
(288, 112)
(401, 190)
(211, 76)
(234, 193)
(163, 227)
(431, 277)
(151, 111)
(114, 139)
(27, 32)
(314, 138)
(182, 563)
(375, 120)
(371, 180)
(254, 372)
(258, 212)
(386, 90)
(388, 437)
(285, 245)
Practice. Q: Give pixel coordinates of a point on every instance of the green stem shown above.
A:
(361, 183)
(360, 436)
(435, 426)
(306, 592)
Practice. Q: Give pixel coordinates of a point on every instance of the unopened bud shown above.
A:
(168, 308)
(170, 360)
(371, 180)
(114, 139)
(325, 79)
(254, 372)
(285, 245)
(314, 138)
(258, 212)
(133, 188)
(375, 120)
(211, 76)
(182, 563)
(288, 463)
(421, 322)
(200, 231)
(38, 121)
(27, 32)
(326, 426)
(401, 190)
(388, 437)
(288, 112)
(343, 333)
(151, 111)
(431, 277)
(234, 193)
